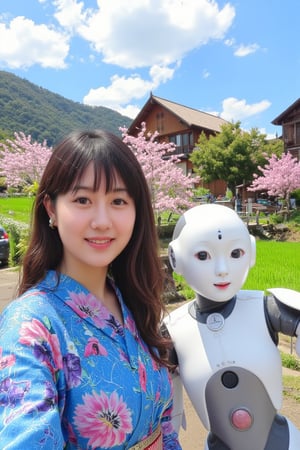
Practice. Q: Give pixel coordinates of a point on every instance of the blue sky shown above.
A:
(237, 59)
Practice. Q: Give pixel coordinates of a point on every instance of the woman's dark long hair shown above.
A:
(137, 271)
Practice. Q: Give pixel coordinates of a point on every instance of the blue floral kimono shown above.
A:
(72, 377)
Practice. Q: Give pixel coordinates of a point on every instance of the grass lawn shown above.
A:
(16, 208)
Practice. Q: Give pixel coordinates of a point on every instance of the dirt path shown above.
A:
(194, 436)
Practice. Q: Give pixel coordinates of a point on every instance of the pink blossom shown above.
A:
(6, 361)
(87, 305)
(130, 324)
(104, 420)
(157, 396)
(170, 188)
(280, 176)
(22, 162)
(142, 376)
(94, 347)
(35, 334)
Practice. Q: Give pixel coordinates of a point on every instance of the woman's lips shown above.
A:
(101, 243)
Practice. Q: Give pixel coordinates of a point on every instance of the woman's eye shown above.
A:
(202, 256)
(237, 253)
(82, 200)
(119, 201)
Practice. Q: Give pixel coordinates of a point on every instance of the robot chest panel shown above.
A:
(240, 340)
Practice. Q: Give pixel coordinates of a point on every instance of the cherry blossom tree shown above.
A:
(170, 188)
(22, 162)
(280, 177)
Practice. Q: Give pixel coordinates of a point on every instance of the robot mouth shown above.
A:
(223, 285)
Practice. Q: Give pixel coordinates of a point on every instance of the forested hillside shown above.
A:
(34, 110)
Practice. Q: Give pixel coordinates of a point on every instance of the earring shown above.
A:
(51, 223)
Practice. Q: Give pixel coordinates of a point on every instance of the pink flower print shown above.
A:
(6, 361)
(45, 345)
(154, 365)
(71, 435)
(124, 356)
(104, 420)
(94, 347)
(157, 397)
(87, 305)
(130, 324)
(142, 376)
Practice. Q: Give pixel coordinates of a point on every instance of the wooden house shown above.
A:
(181, 125)
(290, 123)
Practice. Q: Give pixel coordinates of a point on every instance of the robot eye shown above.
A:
(237, 253)
(202, 255)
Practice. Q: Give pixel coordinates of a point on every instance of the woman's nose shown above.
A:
(101, 218)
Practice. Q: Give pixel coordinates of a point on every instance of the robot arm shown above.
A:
(178, 414)
(283, 312)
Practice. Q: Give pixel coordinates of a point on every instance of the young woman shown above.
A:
(82, 361)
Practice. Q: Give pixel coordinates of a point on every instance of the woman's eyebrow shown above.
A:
(91, 188)
(119, 189)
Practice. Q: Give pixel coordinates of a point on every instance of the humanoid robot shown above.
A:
(225, 340)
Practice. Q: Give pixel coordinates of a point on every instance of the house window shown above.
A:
(184, 142)
(160, 122)
(288, 134)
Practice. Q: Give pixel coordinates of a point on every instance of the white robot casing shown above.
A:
(213, 250)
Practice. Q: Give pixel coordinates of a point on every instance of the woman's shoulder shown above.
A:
(34, 303)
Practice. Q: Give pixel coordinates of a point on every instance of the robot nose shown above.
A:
(222, 274)
(221, 268)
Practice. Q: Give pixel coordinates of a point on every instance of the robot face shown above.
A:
(213, 251)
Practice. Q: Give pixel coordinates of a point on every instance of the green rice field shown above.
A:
(16, 208)
(277, 265)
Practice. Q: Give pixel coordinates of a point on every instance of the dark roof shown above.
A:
(279, 119)
(190, 116)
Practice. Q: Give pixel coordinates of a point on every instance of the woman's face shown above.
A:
(94, 227)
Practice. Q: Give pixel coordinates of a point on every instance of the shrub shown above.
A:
(18, 237)
(290, 361)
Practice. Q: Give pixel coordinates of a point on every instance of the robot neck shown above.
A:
(206, 305)
(203, 307)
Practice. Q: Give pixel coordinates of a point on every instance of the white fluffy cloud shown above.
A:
(241, 50)
(148, 33)
(245, 50)
(123, 90)
(24, 43)
(141, 33)
(235, 110)
(151, 34)
(69, 13)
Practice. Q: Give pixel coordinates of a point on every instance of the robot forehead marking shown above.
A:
(219, 234)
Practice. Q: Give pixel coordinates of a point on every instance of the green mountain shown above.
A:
(26, 107)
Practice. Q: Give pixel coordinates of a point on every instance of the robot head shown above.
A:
(213, 250)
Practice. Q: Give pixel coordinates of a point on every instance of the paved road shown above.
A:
(8, 283)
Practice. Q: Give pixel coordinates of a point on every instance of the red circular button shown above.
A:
(241, 419)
